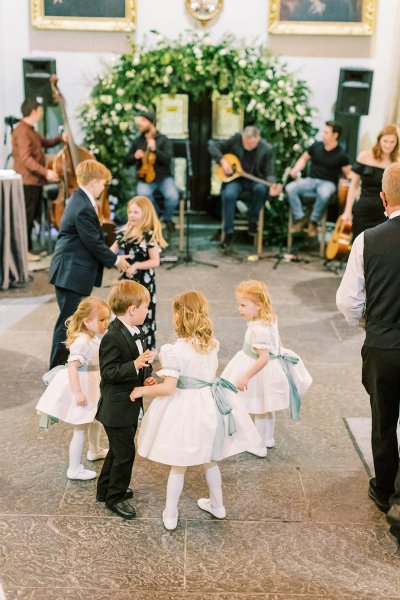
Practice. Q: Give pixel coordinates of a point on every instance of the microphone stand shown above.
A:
(187, 257)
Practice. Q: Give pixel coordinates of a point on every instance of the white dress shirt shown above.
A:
(351, 297)
(134, 331)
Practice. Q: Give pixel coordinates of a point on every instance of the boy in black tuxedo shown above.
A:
(124, 364)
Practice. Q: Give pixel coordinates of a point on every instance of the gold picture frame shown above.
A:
(322, 17)
(101, 15)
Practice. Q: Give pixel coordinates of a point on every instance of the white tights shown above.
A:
(77, 440)
(265, 425)
(175, 486)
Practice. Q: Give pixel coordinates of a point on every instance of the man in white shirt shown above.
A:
(370, 288)
(80, 254)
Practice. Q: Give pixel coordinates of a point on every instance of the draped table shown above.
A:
(13, 235)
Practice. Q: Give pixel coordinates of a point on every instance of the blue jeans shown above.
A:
(169, 191)
(230, 194)
(321, 187)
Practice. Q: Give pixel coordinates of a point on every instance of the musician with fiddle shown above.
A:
(29, 161)
(255, 158)
(151, 152)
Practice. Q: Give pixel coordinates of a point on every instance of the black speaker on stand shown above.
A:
(353, 98)
(37, 73)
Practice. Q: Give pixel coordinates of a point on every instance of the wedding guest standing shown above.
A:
(370, 290)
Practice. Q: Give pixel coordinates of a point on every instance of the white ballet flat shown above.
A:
(102, 453)
(270, 443)
(81, 474)
(205, 504)
(260, 452)
(169, 523)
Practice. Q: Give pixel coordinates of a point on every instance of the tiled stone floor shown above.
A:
(300, 525)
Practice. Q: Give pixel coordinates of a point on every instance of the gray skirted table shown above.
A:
(13, 235)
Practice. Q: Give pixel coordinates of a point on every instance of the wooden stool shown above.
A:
(242, 224)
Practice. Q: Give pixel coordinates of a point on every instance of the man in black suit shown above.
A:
(370, 290)
(257, 158)
(123, 366)
(80, 253)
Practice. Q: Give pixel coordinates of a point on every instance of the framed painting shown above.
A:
(322, 17)
(89, 15)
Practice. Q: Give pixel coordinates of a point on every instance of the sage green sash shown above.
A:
(224, 408)
(49, 376)
(286, 361)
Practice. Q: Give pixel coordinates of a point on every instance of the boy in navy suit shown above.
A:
(80, 254)
(124, 365)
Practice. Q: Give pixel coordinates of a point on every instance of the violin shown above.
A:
(65, 163)
(146, 170)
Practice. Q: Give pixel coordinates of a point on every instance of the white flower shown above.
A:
(169, 69)
(242, 63)
(136, 59)
(108, 131)
(118, 106)
(251, 105)
(269, 73)
(106, 99)
(224, 51)
(120, 92)
(128, 106)
(123, 126)
(129, 74)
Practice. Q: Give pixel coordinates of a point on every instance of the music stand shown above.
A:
(187, 256)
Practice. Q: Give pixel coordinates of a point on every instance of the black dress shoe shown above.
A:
(128, 494)
(253, 229)
(228, 239)
(123, 509)
(393, 516)
(381, 502)
(170, 226)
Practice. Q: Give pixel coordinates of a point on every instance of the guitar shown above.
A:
(237, 171)
(340, 243)
(146, 170)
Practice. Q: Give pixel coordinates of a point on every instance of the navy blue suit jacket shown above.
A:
(80, 253)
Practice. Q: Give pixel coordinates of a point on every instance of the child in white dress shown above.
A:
(195, 419)
(73, 390)
(269, 376)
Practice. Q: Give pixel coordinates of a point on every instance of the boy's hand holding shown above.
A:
(150, 381)
(143, 360)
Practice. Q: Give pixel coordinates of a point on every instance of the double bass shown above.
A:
(65, 163)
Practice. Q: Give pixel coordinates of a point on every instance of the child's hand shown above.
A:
(131, 271)
(143, 360)
(80, 399)
(150, 381)
(136, 393)
(152, 356)
(242, 384)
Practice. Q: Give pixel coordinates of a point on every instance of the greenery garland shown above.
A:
(272, 98)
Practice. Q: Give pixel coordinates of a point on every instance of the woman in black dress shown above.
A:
(141, 239)
(367, 173)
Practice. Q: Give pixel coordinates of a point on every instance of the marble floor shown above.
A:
(299, 523)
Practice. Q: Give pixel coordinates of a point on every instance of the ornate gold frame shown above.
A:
(364, 27)
(41, 21)
(204, 19)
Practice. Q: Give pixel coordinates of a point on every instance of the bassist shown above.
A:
(257, 158)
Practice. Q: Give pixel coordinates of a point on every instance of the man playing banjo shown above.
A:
(256, 158)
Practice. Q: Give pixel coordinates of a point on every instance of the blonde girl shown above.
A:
(141, 239)
(194, 419)
(73, 392)
(269, 377)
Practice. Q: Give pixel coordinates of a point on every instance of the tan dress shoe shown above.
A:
(312, 230)
(299, 225)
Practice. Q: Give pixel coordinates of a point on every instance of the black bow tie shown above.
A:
(137, 336)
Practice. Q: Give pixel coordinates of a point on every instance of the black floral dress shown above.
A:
(139, 252)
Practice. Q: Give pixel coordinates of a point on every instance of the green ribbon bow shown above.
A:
(218, 388)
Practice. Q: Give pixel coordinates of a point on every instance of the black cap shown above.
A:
(150, 115)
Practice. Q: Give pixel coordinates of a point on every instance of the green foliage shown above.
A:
(272, 98)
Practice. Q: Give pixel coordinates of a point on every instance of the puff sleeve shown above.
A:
(169, 358)
(80, 350)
